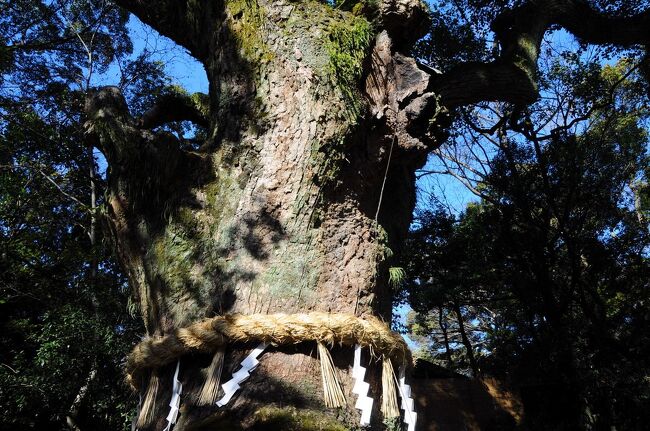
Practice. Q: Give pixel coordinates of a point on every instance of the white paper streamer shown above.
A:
(364, 402)
(408, 405)
(175, 402)
(249, 363)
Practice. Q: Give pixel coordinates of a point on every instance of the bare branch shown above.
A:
(49, 179)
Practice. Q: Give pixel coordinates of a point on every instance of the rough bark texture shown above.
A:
(278, 211)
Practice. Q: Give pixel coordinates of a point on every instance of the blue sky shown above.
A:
(180, 65)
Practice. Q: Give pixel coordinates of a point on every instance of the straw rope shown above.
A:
(146, 414)
(210, 389)
(389, 406)
(276, 329)
(332, 391)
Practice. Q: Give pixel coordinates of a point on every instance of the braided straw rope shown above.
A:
(277, 329)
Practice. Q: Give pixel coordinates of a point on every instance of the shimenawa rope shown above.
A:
(212, 335)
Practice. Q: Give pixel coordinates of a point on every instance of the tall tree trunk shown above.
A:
(92, 231)
(73, 413)
(82, 393)
(469, 350)
(276, 211)
(442, 322)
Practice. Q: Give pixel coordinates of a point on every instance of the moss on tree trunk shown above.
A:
(278, 210)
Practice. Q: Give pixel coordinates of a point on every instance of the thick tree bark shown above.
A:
(276, 212)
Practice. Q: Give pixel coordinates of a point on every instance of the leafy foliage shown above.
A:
(549, 270)
(63, 300)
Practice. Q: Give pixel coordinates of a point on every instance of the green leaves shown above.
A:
(550, 268)
(62, 299)
(396, 276)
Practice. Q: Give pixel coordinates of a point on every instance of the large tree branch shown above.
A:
(477, 82)
(586, 23)
(186, 22)
(177, 107)
(512, 77)
(111, 128)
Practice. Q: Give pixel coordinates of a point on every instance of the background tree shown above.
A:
(63, 300)
(554, 257)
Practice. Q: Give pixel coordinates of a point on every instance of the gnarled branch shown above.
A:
(512, 77)
(115, 132)
(176, 107)
(184, 21)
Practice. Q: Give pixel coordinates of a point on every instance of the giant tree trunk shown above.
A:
(310, 107)
(278, 211)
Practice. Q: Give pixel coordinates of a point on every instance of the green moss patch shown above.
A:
(347, 45)
(290, 419)
(246, 18)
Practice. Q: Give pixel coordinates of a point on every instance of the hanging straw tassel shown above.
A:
(389, 406)
(332, 391)
(210, 388)
(146, 415)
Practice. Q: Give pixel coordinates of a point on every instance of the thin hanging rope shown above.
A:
(383, 184)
